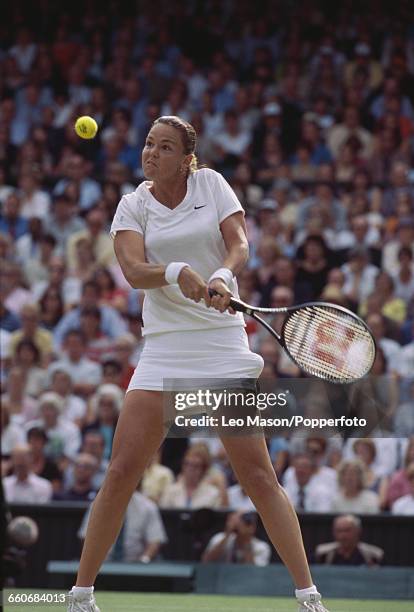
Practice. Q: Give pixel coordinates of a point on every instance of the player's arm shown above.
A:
(216, 552)
(233, 230)
(130, 252)
(151, 551)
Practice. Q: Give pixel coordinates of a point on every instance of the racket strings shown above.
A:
(329, 343)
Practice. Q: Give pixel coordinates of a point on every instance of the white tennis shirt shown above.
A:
(191, 233)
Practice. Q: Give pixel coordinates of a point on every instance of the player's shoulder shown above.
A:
(139, 195)
(206, 176)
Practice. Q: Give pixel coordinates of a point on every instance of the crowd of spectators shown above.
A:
(307, 109)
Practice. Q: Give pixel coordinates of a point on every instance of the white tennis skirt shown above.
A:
(221, 353)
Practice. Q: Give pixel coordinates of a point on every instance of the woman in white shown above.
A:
(179, 234)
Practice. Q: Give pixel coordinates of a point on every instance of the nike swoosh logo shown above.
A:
(197, 207)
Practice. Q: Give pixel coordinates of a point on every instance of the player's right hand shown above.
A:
(193, 286)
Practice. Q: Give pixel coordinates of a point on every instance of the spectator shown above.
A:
(82, 489)
(359, 275)
(98, 238)
(405, 504)
(106, 404)
(69, 287)
(63, 436)
(32, 331)
(12, 433)
(347, 548)
(23, 486)
(191, 490)
(61, 383)
(156, 479)
(62, 222)
(239, 500)
(142, 533)
(11, 220)
(111, 322)
(351, 126)
(22, 407)
(77, 171)
(399, 484)
(86, 374)
(404, 277)
(27, 357)
(42, 465)
(14, 295)
(51, 309)
(97, 343)
(353, 495)
(306, 495)
(238, 543)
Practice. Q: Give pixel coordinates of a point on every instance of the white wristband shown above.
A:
(225, 274)
(172, 271)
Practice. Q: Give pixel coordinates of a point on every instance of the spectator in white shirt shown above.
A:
(142, 533)
(74, 407)
(405, 505)
(304, 493)
(191, 489)
(239, 500)
(63, 435)
(86, 374)
(391, 348)
(359, 275)
(237, 543)
(353, 496)
(24, 487)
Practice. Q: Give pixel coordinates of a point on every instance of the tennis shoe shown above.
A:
(82, 604)
(311, 603)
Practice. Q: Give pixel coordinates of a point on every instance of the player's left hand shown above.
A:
(221, 302)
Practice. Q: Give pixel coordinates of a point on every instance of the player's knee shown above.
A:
(258, 481)
(121, 475)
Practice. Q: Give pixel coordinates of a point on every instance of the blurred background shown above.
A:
(307, 110)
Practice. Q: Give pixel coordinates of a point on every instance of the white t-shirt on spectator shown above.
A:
(190, 233)
(238, 500)
(34, 490)
(261, 550)
(84, 371)
(143, 525)
(367, 502)
(404, 505)
(64, 439)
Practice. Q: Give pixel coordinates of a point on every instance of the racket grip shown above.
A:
(234, 303)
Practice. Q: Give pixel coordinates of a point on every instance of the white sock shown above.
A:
(303, 592)
(80, 592)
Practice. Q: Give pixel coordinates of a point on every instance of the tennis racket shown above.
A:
(323, 339)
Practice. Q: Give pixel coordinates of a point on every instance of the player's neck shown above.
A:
(170, 193)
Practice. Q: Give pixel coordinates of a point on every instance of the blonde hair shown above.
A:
(188, 136)
(200, 451)
(345, 465)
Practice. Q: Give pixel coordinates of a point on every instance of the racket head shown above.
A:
(329, 341)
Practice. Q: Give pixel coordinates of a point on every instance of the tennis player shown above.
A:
(179, 234)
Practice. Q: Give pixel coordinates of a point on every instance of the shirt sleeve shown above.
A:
(155, 531)
(226, 200)
(127, 216)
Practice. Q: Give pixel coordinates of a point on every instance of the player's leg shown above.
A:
(251, 463)
(138, 435)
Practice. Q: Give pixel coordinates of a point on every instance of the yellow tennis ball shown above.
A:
(86, 127)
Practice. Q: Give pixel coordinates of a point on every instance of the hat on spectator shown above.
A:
(268, 204)
(362, 49)
(271, 109)
(53, 399)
